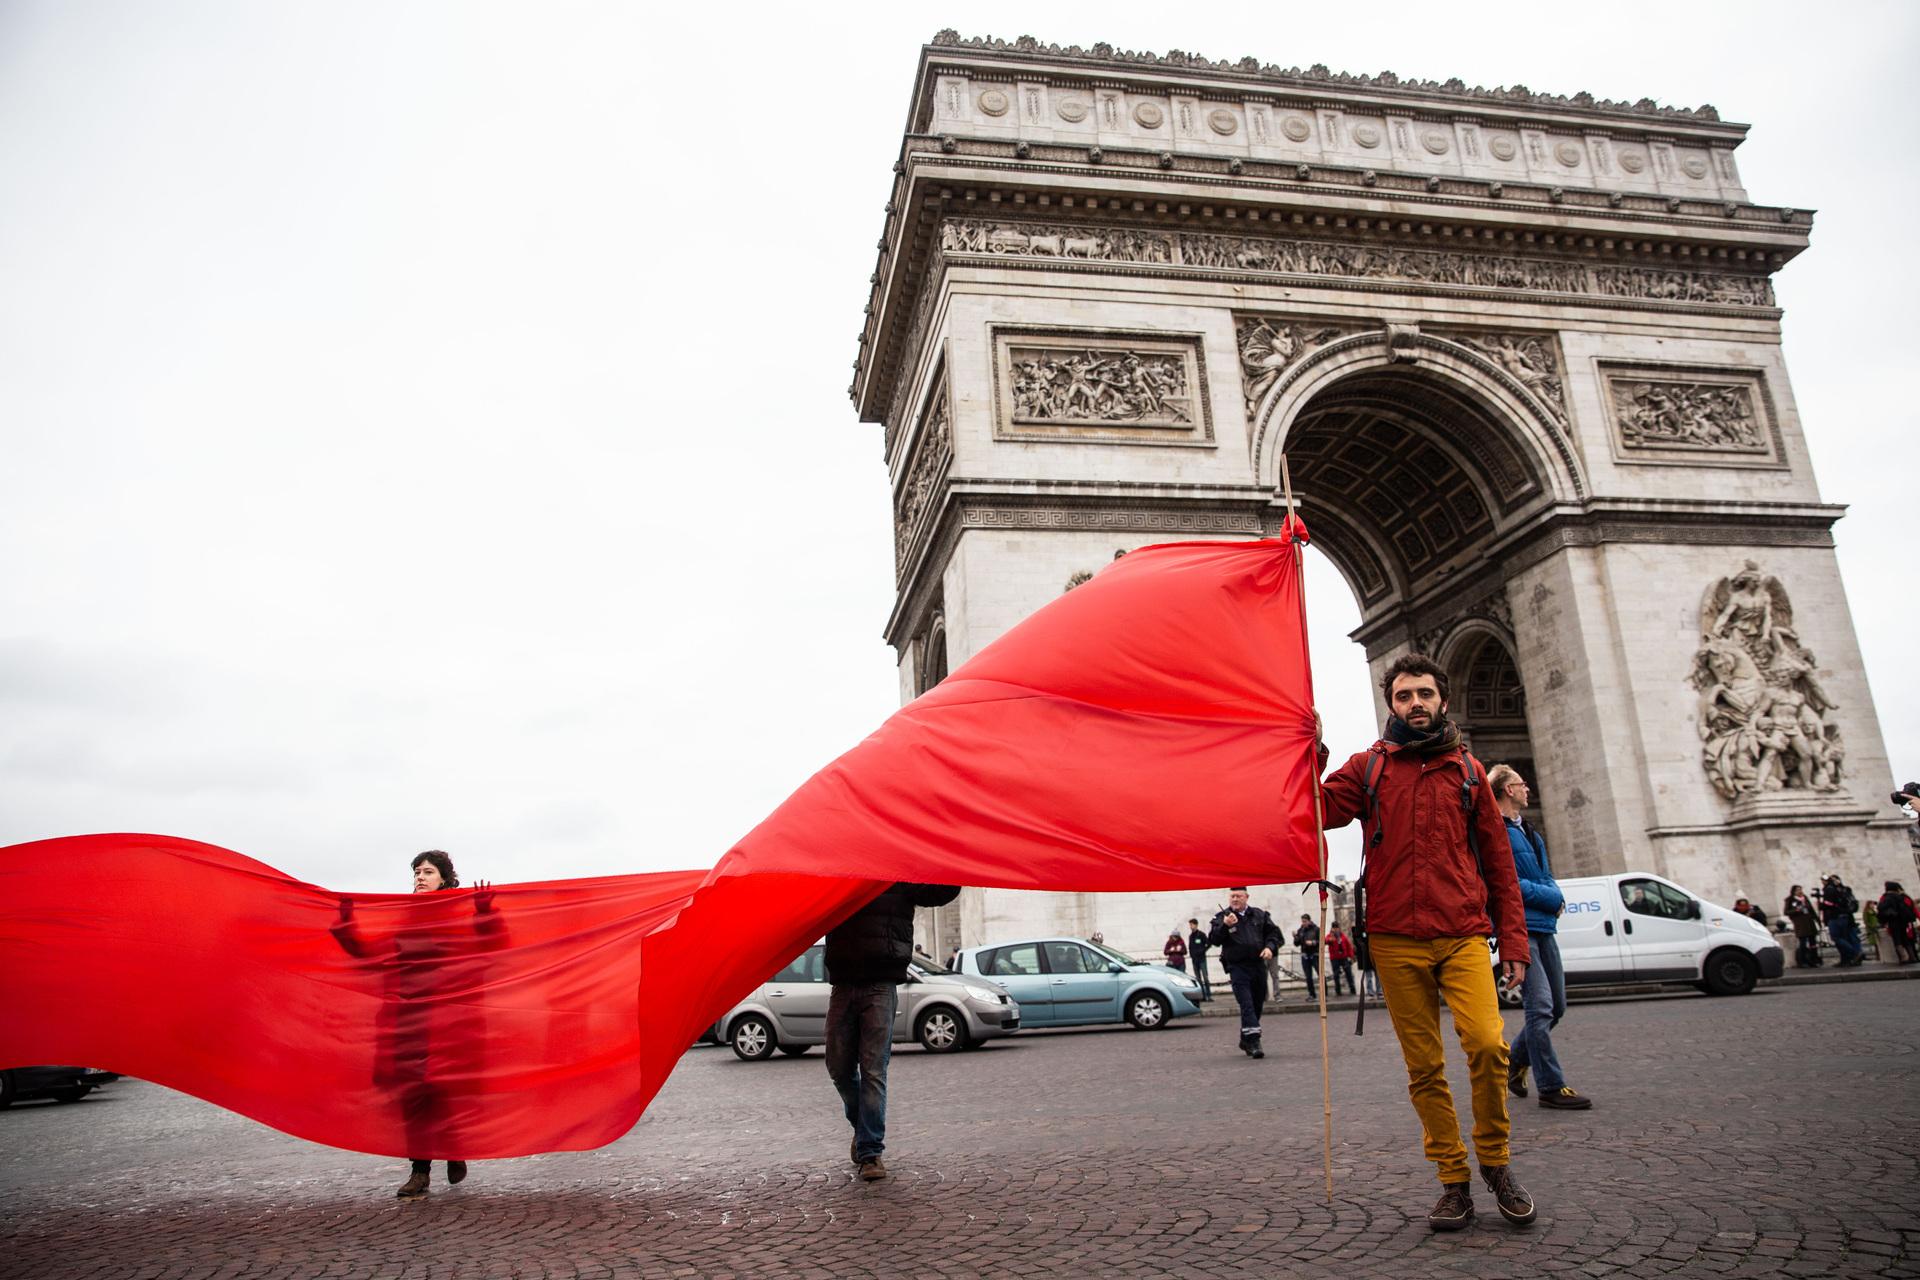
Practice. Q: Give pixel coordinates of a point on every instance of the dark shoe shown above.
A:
(456, 1172)
(872, 1170)
(853, 1151)
(1565, 1099)
(414, 1188)
(1454, 1209)
(1516, 1206)
(1256, 1051)
(1517, 1079)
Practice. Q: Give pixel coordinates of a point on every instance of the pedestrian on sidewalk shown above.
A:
(1544, 993)
(1437, 887)
(1247, 938)
(867, 957)
(1747, 909)
(1800, 910)
(1197, 946)
(1837, 905)
(1898, 914)
(1307, 939)
(1340, 956)
(1175, 951)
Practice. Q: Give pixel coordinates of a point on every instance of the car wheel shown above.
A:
(795, 1050)
(752, 1038)
(1147, 1011)
(941, 1030)
(1730, 973)
(73, 1093)
(7, 1088)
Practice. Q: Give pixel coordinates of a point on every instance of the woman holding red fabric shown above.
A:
(411, 1025)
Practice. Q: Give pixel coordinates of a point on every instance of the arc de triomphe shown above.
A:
(1523, 357)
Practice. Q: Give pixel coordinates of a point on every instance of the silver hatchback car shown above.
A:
(943, 1011)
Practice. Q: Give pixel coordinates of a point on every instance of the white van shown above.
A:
(1639, 927)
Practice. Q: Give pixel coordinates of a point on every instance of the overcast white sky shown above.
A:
(425, 424)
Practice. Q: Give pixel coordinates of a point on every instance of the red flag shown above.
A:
(1151, 729)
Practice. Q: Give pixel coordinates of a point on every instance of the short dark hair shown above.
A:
(1236, 888)
(441, 863)
(1413, 664)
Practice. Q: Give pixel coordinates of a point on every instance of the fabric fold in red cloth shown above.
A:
(1151, 729)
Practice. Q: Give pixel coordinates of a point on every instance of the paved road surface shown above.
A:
(1739, 1137)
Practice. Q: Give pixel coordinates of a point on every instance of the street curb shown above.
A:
(1222, 1006)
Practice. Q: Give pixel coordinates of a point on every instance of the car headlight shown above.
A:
(989, 998)
(1185, 983)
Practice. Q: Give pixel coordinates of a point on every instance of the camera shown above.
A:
(1911, 789)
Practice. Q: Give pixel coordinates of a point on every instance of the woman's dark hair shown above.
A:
(441, 863)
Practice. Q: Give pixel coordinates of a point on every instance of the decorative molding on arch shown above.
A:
(1295, 388)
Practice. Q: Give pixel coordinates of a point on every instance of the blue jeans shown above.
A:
(1201, 976)
(1250, 991)
(859, 1046)
(1310, 970)
(1845, 931)
(1544, 997)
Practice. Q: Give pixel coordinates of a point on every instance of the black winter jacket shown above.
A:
(1307, 937)
(875, 943)
(1243, 942)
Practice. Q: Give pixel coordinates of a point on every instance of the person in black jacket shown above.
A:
(1307, 938)
(867, 957)
(1247, 937)
(1197, 945)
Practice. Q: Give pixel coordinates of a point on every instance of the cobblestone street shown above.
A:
(1737, 1137)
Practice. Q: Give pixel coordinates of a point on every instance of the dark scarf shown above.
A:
(1445, 736)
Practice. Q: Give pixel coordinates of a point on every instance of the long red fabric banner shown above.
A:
(1151, 729)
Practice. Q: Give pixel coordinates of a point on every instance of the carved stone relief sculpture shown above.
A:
(1071, 241)
(1763, 716)
(1686, 414)
(931, 453)
(1067, 384)
(1531, 359)
(1268, 345)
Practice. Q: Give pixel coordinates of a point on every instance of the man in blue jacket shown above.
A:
(1544, 992)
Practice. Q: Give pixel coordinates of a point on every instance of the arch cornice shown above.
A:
(1535, 424)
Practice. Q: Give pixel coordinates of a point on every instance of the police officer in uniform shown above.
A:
(1247, 937)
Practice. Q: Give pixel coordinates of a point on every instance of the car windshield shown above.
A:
(927, 964)
(1109, 952)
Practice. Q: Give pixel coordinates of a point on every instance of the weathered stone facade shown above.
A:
(1522, 355)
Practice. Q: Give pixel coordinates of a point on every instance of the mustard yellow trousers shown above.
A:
(1414, 974)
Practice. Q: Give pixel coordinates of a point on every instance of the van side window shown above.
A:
(1651, 898)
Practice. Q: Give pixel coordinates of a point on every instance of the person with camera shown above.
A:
(1837, 905)
(1247, 938)
(1307, 939)
(1438, 880)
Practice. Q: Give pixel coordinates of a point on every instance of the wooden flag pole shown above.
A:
(1320, 840)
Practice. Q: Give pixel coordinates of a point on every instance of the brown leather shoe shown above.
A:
(456, 1171)
(853, 1151)
(872, 1170)
(414, 1188)
(1515, 1205)
(1454, 1210)
(1565, 1099)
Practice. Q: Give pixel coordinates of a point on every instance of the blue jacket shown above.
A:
(1538, 890)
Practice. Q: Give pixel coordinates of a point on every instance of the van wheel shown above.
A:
(1730, 973)
(941, 1031)
(1147, 1011)
(752, 1038)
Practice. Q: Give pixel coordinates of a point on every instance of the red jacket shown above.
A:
(1339, 947)
(1421, 877)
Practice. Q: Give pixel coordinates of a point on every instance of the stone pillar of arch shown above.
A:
(1522, 356)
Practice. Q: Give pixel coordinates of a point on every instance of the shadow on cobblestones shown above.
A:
(1108, 1154)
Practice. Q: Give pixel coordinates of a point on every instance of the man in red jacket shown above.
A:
(1436, 866)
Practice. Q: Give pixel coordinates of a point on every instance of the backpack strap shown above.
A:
(1370, 790)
